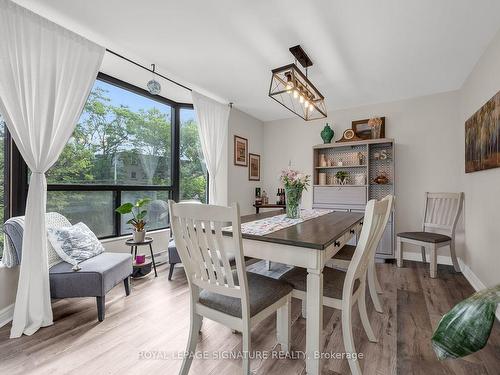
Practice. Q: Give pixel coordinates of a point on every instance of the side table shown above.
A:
(148, 241)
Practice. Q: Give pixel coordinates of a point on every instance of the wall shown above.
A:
(240, 189)
(482, 189)
(426, 138)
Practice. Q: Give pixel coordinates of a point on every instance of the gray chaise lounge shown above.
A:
(98, 275)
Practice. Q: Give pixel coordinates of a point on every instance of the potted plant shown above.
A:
(295, 183)
(138, 217)
(342, 177)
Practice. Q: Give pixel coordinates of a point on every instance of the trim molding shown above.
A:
(471, 277)
(6, 315)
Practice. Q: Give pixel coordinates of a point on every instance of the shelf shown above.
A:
(373, 184)
(344, 166)
(340, 185)
(354, 143)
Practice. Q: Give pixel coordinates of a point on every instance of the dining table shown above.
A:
(309, 244)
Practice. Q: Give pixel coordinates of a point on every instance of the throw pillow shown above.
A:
(75, 244)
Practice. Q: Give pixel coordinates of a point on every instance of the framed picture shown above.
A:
(254, 168)
(240, 151)
(482, 137)
(364, 131)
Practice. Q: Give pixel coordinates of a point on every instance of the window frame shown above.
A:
(20, 178)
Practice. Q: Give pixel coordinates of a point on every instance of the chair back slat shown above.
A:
(442, 211)
(197, 230)
(376, 217)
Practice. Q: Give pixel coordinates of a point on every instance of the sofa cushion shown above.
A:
(263, 292)
(95, 278)
(333, 281)
(75, 244)
(425, 236)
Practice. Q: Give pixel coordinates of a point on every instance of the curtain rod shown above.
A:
(149, 70)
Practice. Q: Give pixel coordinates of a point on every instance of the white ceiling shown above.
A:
(363, 51)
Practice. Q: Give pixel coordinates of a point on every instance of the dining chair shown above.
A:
(234, 298)
(342, 289)
(344, 257)
(441, 214)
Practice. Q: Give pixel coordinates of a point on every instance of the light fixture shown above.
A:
(154, 86)
(289, 83)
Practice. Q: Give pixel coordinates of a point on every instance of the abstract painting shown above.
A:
(482, 137)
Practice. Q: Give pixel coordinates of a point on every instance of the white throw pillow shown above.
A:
(75, 244)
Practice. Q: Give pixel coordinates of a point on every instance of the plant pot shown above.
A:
(139, 236)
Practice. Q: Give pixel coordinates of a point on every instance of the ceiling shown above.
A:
(363, 52)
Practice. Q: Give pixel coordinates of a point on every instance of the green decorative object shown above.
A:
(465, 329)
(327, 134)
(295, 183)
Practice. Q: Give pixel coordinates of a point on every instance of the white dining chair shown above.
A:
(344, 257)
(441, 214)
(234, 298)
(341, 290)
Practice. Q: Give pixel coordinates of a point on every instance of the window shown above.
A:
(193, 175)
(127, 145)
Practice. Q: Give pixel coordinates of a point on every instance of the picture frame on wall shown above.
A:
(240, 151)
(482, 137)
(254, 167)
(363, 131)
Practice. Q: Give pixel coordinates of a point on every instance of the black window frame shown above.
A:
(20, 176)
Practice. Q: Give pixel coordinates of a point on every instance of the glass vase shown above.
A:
(293, 198)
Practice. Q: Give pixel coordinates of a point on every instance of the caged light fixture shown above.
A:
(293, 89)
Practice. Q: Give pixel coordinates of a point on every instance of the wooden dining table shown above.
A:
(308, 244)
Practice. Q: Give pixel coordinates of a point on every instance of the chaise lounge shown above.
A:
(96, 277)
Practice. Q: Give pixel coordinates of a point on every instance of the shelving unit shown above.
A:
(351, 196)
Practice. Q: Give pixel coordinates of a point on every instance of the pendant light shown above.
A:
(292, 88)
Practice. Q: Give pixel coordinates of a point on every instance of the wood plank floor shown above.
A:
(142, 332)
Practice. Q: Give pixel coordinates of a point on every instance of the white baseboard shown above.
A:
(471, 277)
(6, 315)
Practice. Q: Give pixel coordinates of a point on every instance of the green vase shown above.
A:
(327, 134)
(293, 196)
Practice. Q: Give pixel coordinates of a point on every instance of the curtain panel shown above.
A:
(212, 120)
(46, 74)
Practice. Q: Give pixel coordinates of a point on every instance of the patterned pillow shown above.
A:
(75, 244)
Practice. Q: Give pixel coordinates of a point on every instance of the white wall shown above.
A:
(240, 189)
(427, 143)
(482, 189)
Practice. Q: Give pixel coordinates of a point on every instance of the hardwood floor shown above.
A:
(142, 332)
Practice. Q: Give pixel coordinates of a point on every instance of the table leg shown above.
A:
(314, 322)
(257, 210)
(153, 259)
(135, 252)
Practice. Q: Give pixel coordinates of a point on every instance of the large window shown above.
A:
(127, 145)
(193, 174)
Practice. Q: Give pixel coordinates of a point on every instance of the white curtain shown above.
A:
(212, 123)
(46, 74)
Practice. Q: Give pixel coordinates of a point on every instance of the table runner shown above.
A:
(271, 224)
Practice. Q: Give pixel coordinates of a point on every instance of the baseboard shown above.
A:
(6, 315)
(471, 277)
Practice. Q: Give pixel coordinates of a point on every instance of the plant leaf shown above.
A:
(125, 208)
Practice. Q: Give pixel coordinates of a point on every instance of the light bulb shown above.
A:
(288, 87)
(301, 99)
(306, 103)
(295, 94)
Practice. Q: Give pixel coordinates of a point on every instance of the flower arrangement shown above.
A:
(295, 183)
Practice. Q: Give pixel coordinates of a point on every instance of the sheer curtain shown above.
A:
(213, 128)
(46, 74)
